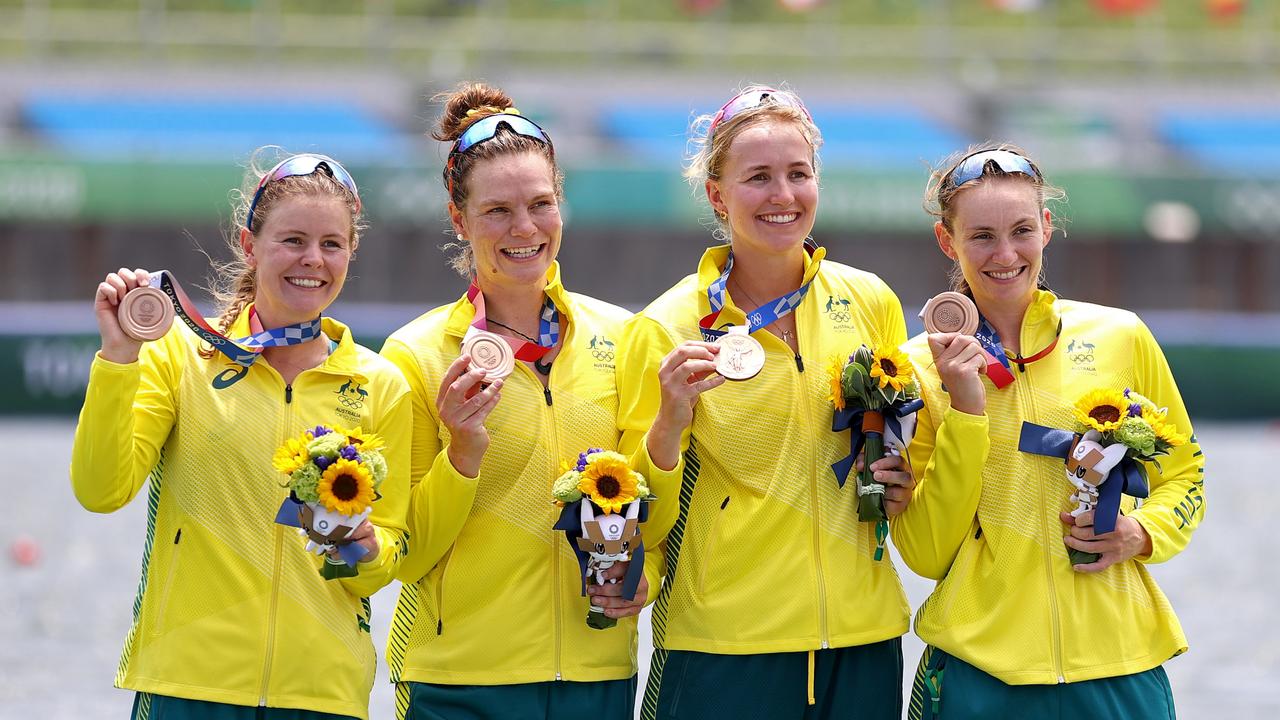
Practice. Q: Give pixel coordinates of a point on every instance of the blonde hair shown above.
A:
(469, 103)
(708, 149)
(233, 283)
(940, 194)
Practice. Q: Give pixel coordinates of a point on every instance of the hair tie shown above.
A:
(492, 110)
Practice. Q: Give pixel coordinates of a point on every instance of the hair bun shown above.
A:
(471, 101)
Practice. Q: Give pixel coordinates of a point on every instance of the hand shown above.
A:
(609, 595)
(1128, 540)
(116, 345)
(892, 472)
(364, 536)
(961, 361)
(463, 404)
(685, 373)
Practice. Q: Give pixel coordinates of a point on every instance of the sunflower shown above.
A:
(836, 371)
(291, 455)
(609, 482)
(346, 487)
(369, 441)
(1166, 432)
(1102, 410)
(892, 368)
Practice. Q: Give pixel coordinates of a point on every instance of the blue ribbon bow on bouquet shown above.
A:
(1127, 478)
(290, 515)
(851, 419)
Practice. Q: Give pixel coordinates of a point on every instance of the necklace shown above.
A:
(542, 367)
(787, 335)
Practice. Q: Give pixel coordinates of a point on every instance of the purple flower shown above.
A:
(320, 430)
(1135, 410)
(1126, 392)
(322, 462)
(582, 458)
(348, 452)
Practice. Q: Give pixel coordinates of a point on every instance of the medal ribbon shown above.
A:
(244, 350)
(997, 360)
(766, 314)
(548, 327)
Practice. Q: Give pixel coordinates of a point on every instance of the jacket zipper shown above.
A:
(813, 489)
(550, 417)
(1024, 392)
(276, 570)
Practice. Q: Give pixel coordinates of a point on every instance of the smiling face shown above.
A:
(300, 255)
(998, 233)
(768, 189)
(511, 219)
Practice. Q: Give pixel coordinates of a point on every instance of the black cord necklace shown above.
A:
(539, 365)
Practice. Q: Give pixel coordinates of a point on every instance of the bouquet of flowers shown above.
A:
(333, 480)
(1114, 430)
(875, 397)
(603, 502)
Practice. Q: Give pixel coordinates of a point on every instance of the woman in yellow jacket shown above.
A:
(1016, 627)
(490, 621)
(232, 618)
(773, 602)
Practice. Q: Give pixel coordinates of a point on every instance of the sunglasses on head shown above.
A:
(487, 127)
(973, 167)
(755, 98)
(299, 165)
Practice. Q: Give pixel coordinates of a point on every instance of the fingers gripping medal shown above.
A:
(950, 312)
(741, 356)
(489, 352)
(145, 313)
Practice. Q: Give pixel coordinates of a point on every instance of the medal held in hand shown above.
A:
(950, 312)
(741, 356)
(489, 352)
(145, 313)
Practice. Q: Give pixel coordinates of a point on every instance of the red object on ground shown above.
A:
(25, 550)
(1225, 9)
(1124, 7)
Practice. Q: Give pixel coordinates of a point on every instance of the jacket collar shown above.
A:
(712, 264)
(463, 312)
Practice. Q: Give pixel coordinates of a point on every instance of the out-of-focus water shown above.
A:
(68, 613)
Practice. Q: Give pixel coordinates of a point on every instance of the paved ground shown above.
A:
(68, 612)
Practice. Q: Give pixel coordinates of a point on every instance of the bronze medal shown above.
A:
(489, 352)
(741, 356)
(950, 312)
(145, 314)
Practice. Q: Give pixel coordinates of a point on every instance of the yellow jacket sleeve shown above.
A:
(127, 415)
(440, 497)
(388, 516)
(947, 461)
(644, 344)
(892, 323)
(1176, 504)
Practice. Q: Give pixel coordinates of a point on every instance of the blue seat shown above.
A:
(858, 136)
(1234, 142)
(207, 127)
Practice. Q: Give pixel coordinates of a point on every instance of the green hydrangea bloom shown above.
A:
(327, 445)
(565, 489)
(1137, 434)
(377, 466)
(304, 480)
(642, 487)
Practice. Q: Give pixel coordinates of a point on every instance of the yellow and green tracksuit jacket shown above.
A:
(984, 519)
(491, 592)
(230, 607)
(765, 552)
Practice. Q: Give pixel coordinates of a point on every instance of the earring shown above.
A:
(461, 239)
(722, 215)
